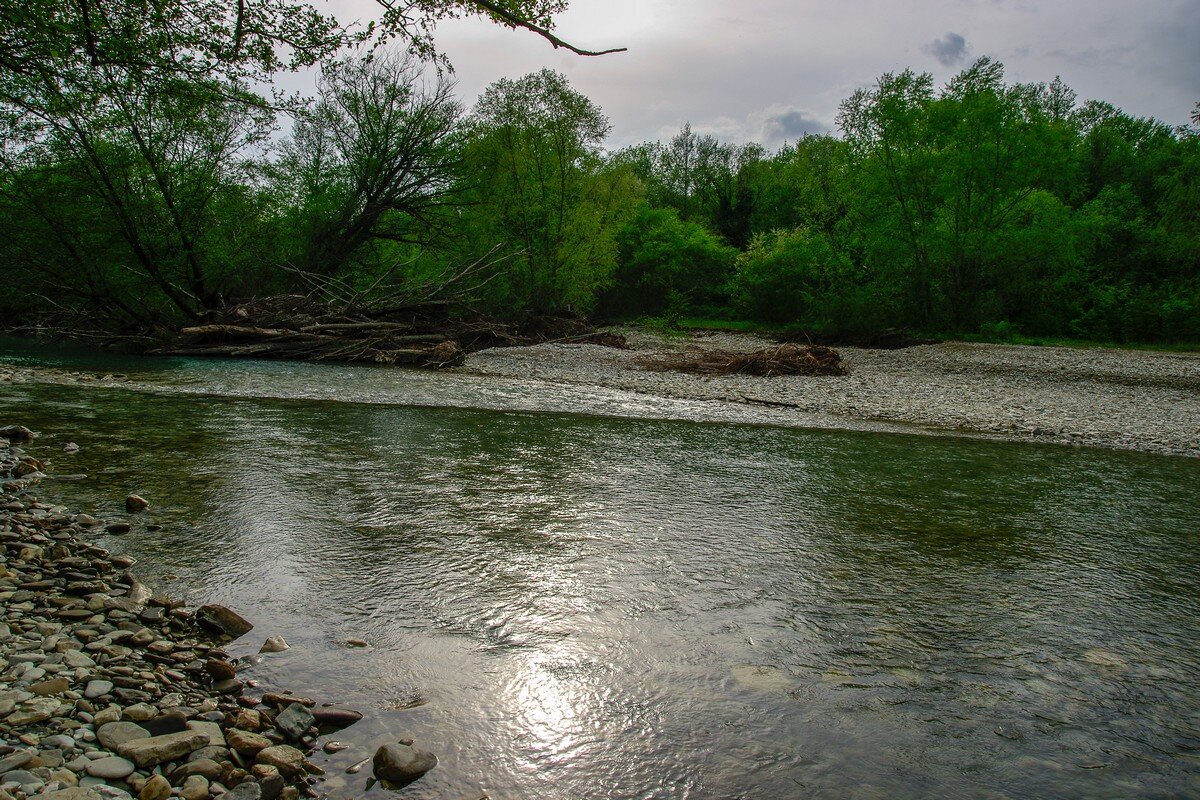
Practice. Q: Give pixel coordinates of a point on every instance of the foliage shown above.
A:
(143, 184)
(542, 189)
(666, 264)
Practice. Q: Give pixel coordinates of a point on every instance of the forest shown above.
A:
(149, 182)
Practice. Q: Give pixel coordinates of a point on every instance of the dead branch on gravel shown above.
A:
(786, 359)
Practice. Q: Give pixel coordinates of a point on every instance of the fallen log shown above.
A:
(356, 327)
(231, 331)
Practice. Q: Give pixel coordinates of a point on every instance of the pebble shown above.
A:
(111, 768)
(106, 684)
(1102, 397)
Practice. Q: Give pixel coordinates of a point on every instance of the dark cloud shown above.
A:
(949, 50)
(791, 125)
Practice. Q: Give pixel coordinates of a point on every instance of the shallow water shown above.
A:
(567, 606)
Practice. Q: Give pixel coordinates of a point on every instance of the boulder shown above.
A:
(157, 749)
(294, 721)
(400, 764)
(285, 758)
(16, 433)
(274, 644)
(112, 768)
(135, 503)
(220, 619)
(157, 788)
(246, 741)
(334, 719)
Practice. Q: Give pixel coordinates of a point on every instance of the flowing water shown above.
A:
(580, 606)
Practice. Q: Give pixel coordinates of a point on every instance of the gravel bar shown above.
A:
(1127, 399)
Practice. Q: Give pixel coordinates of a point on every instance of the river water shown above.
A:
(641, 602)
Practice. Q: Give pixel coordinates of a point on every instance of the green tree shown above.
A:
(667, 265)
(543, 189)
(373, 162)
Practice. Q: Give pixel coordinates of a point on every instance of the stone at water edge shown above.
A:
(118, 527)
(70, 447)
(285, 758)
(87, 520)
(135, 503)
(16, 433)
(294, 721)
(220, 619)
(274, 644)
(334, 719)
(400, 763)
(246, 741)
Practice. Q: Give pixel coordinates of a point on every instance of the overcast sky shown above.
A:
(769, 70)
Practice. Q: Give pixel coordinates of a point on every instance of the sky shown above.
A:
(773, 70)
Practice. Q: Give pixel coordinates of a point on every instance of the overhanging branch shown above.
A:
(517, 21)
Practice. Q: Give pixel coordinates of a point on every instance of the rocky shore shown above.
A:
(110, 690)
(1126, 399)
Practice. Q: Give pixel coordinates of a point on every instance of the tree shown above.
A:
(667, 265)
(542, 187)
(373, 161)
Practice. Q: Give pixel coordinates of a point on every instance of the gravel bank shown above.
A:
(108, 690)
(1129, 399)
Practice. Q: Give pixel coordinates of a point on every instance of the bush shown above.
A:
(666, 266)
(790, 276)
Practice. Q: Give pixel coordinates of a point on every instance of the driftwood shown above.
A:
(786, 359)
(321, 326)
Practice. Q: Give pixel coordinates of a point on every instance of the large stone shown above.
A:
(15, 760)
(246, 742)
(400, 764)
(216, 738)
(135, 503)
(219, 669)
(334, 719)
(33, 711)
(16, 433)
(97, 688)
(157, 749)
(106, 715)
(50, 687)
(274, 644)
(157, 788)
(114, 734)
(141, 712)
(112, 768)
(220, 619)
(206, 767)
(74, 793)
(285, 758)
(194, 788)
(294, 721)
(244, 791)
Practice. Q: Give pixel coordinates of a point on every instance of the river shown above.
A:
(642, 599)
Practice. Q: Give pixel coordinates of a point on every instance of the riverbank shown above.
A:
(1127, 399)
(114, 691)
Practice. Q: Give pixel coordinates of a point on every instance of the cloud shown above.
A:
(771, 126)
(791, 125)
(949, 50)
